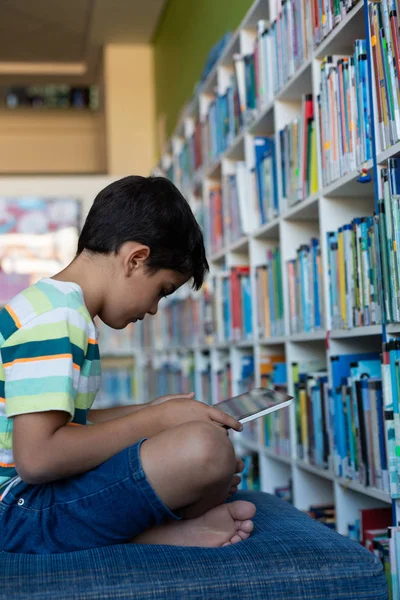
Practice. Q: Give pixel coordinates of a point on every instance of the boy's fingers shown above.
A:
(239, 465)
(225, 419)
(188, 396)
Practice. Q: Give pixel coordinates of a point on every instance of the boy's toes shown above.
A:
(235, 539)
(247, 526)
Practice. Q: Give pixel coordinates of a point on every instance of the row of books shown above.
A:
(280, 49)
(374, 531)
(269, 290)
(222, 122)
(346, 138)
(323, 513)
(310, 382)
(118, 386)
(389, 226)
(385, 45)
(283, 46)
(230, 211)
(357, 406)
(115, 341)
(251, 472)
(306, 303)
(52, 96)
(169, 375)
(355, 274)
(298, 151)
(190, 158)
(233, 304)
(276, 429)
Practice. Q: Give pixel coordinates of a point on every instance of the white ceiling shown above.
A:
(69, 31)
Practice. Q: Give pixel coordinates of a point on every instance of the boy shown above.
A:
(72, 478)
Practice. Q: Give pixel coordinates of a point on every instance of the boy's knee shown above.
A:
(211, 450)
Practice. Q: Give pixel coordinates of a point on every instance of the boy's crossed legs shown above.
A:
(191, 468)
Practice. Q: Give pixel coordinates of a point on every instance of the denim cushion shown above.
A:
(289, 557)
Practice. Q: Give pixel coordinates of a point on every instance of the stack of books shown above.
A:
(206, 378)
(346, 139)
(385, 44)
(357, 419)
(391, 395)
(310, 384)
(118, 384)
(298, 148)
(233, 305)
(305, 289)
(222, 377)
(355, 274)
(251, 472)
(270, 309)
(276, 425)
(389, 224)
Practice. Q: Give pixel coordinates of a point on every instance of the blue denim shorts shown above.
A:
(111, 504)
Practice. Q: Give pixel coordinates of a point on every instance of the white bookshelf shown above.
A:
(328, 209)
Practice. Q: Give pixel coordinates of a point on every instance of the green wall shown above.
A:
(186, 33)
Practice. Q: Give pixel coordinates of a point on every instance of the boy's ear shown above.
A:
(133, 255)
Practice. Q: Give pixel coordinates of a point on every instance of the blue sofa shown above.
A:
(289, 557)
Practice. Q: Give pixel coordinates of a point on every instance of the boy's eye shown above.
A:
(163, 294)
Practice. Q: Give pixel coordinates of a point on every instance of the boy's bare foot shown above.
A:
(221, 526)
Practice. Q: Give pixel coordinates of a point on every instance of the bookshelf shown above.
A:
(217, 360)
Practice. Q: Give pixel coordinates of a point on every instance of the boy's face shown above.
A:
(133, 292)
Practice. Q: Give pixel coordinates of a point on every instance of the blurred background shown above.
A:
(90, 90)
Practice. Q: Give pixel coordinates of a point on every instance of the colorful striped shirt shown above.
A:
(49, 360)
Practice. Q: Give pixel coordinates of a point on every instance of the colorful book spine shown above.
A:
(299, 170)
(358, 420)
(118, 383)
(312, 415)
(384, 35)
(276, 428)
(346, 142)
(306, 306)
(354, 273)
(267, 179)
(270, 309)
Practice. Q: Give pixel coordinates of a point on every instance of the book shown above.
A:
(270, 309)
(306, 306)
(266, 174)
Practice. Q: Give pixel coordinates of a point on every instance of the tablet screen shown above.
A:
(253, 402)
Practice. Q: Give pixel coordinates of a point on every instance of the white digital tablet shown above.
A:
(254, 404)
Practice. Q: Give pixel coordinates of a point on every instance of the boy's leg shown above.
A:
(190, 467)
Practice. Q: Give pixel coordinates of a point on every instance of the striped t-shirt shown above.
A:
(49, 360)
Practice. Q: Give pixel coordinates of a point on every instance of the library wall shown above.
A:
(129, 108)
(54, 141)
(187, 32)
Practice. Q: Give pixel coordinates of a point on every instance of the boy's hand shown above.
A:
(162, 399)
(179, 411)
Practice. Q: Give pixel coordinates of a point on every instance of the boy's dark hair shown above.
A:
(150, 211)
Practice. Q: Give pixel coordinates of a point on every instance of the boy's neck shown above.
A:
(84, 270)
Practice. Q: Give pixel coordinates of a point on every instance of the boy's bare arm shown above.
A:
(45, 448)
(101, 415)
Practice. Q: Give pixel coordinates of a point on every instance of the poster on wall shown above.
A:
(38, 238)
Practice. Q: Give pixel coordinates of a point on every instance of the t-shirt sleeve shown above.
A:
(42, 363)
